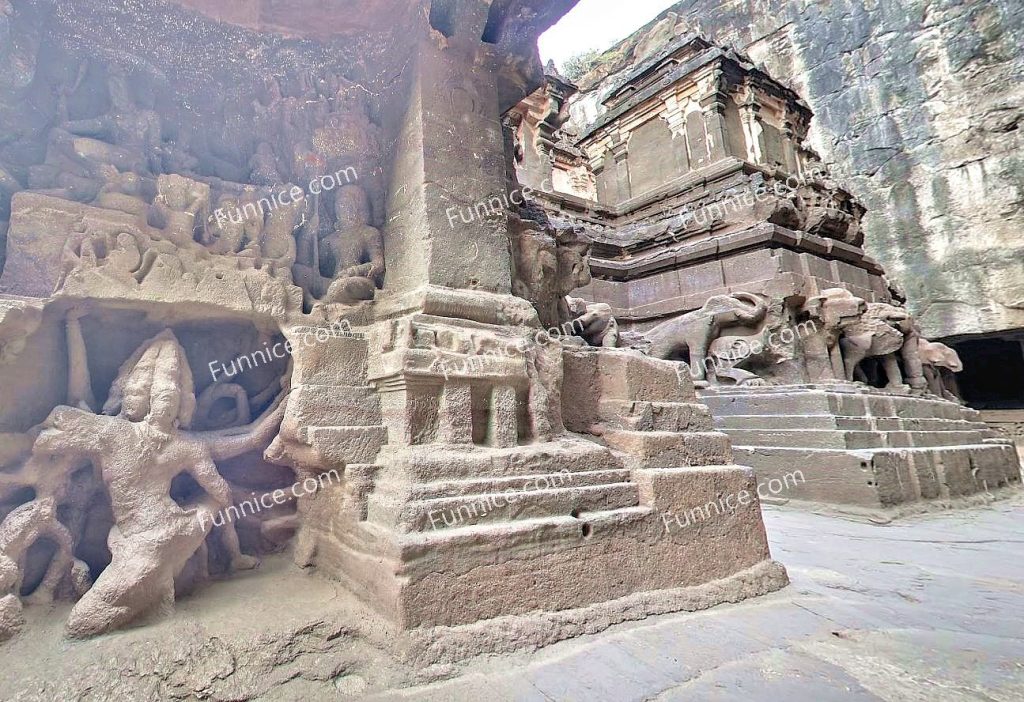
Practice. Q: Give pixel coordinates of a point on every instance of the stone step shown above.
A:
(667, 449)
(452, 488)
(507, 539)
(786, 400)
(761, 422)
(430, 463)
(656, 416)
(824, 421)
(925, 439)
(805, 438)
(882, 477)
(907, 424)
(442, 513)
(850, 439)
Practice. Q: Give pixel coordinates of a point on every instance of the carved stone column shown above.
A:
(713, 105)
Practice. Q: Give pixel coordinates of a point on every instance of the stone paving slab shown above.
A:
(927, 608)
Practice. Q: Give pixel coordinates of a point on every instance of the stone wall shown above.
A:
(919, 106)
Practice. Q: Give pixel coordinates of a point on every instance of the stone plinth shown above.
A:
(861, 446)
(478, 484)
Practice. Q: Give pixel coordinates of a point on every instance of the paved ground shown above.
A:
(929, 608)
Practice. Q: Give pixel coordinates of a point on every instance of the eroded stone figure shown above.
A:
(831, 312)
(549, 262)
(876, 334)
(182, 205)
(940, 364)
(277, 239)
(127, 138)
(352, 256)
(350, 138)
(140, 446)
(693, 332)
(593, 322)
(226, 232)
(125, 192)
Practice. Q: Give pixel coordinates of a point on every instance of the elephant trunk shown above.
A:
(754, 311)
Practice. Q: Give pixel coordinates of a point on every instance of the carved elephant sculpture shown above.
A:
(877, 334)
(831, 312)
(694, 331)
(592, 321)
(940, 362)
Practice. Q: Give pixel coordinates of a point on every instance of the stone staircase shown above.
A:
(466, 486)
(333, 422)
(863, 446)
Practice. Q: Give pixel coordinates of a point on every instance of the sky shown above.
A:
(597, 24)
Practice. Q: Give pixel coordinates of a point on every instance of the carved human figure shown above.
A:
(140, 446)
(128, 136)
(122, 191)
(350, 138)
(694, 331)
(277, 240)
(353, 254)
(183, 206)
(264, 169)
(226, 228)
(93, 249)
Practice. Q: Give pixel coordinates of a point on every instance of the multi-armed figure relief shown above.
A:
(139, 447)
(248, 214)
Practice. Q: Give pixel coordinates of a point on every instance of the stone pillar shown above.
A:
(789, 147)
(502, 430)
(713, 106)
(448, 204)
(620, 154)
(455, 416)
(752, 131)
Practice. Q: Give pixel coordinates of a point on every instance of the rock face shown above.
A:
(720, 238)
(919, 107)
(237, 316)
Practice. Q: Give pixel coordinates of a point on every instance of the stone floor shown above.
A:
(926, 608)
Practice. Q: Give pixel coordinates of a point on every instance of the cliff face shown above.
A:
(919, 109)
